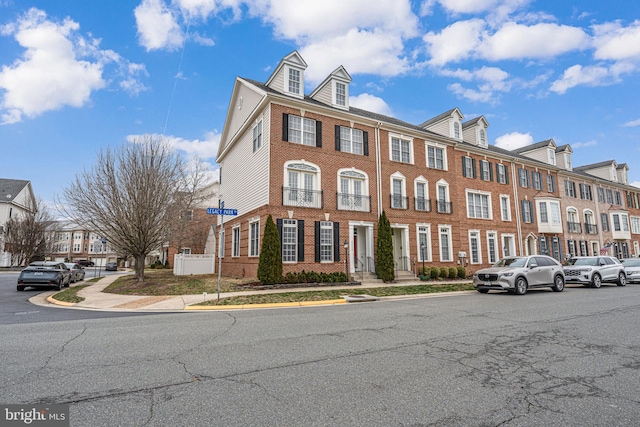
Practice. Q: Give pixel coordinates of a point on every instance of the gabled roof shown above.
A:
(339, 74)
(565, 147)
(293, 58)
(472, 122)
(595, 165)
(622, 166)
(441, 117)
(10, 188)
(535, 146)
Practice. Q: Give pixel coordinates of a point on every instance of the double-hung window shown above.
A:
(235, 243)
(478, 205)
(551, 183)
(505, 208)
(435, 157)
(468, 167)
(523, 177)
(294, 81)
(302, 130)
(341, 94)
(400, 150)
(289, 240)
(536, 180)
(445, 243)
(485, 170)
(254, 238)
(424, 244)
(501, 174)
(326, 241)
(569, 188)
(351, 140)
(257, 136)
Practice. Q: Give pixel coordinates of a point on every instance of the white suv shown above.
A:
(593, 271)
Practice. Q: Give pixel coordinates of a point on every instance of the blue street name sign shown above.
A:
(220, 211)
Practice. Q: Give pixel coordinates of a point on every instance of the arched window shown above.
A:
(302, 185)
(353, 194)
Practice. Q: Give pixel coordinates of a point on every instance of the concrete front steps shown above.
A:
(367, 277)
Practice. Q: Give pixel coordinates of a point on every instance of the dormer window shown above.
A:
(456, 130)
(483, 138)
(341, 94)
(552, 156)
(614, 176)
(294, 81)
(567, 161)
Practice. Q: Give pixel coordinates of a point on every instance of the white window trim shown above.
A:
(405, 138)
(482, 193)
(421, 180)
(429, 250)
(493, 235)
(334, 94)
(259, 125)
(504, 173)
(318, 176)
(235, 254)
(509, 216)
(479, 240)
(449, 241)
(295, 227)
(445, 165)
(403, 179)
(299, 94)
(512, 239)
(323, 225)
(251, 223)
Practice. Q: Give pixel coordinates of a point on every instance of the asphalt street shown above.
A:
(542, 359)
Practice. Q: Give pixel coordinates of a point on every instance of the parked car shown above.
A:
(111, 266)
(631, 269)
(593, 271)
(76, 270)
(44, 274)
(85, 263)
(517, 274)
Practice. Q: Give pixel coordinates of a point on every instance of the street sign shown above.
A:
(220, 211)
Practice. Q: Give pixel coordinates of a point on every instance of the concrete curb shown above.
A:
(266, 305)
(52, 300)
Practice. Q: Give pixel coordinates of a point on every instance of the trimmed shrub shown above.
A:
(462, 272)
(434, 272)
(453, 272)
(444, 272)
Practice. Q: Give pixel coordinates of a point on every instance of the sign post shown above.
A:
(222, 212)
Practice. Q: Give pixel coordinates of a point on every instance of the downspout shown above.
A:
(597, 218)
(378, 168)
(514, 183)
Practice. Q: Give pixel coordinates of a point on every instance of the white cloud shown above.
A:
(614, 42)
(491, 81)
(579, 75)
(370, 102)
(358, 51)
(543, 40)
(468, 6)
(50, 73)
(514, 140)
(206, 148)
(584, 144)
(157, 26)
(454, 43)
(632, 123)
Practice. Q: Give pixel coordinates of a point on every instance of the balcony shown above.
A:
(444, 206)
(591, 228)
(354, 202)
(302, 198)
(399, 202)
(574, 227)
(422, 204)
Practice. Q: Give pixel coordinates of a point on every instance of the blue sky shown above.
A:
(76, 77)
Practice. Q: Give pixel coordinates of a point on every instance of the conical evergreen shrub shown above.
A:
(270, 263)
(384, 253)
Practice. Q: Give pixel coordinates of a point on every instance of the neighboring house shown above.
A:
(325, 171)
(71, 242)
(16, 199)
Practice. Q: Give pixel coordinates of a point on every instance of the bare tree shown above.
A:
(127, 196)
(27, 236)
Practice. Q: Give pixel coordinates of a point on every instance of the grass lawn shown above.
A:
(163, 282)
(69, 295)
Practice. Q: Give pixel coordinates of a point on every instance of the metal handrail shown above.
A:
(371, 264)
(361, 271)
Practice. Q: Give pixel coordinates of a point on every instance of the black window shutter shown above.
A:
(220, 175)
(522, 202)
(318, 134)
(464, 166)
(365, 142)
(473, 167)
(490, 171)
(279, 227)
(316, 229)
(506, 175)
(336, 242)
(285, 127)
(300, 240)
(337, 133)
(528, 176)
(533, 218)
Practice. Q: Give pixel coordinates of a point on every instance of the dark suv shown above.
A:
(85, 263)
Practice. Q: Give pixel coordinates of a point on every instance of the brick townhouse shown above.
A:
(325, 171)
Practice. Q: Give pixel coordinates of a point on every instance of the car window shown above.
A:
(543, 262)
(631, 262)
(608, 261)
(511, 262)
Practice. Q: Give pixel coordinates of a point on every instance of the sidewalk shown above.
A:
(96, 299)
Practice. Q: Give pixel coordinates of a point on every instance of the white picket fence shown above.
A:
(184, 265)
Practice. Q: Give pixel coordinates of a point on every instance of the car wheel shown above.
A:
(59, 285)
(20, 288)
(622, 279)
(596, 281)
(483, 291)
(521, 286)
(558, 284)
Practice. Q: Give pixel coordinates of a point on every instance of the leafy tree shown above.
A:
(384, 253)
(270, 263)
(129, 196)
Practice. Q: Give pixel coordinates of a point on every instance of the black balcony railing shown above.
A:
(574, 227)
(399, 202)
(422, 204)
(444, 207)
(302, 198)
(354, 202)
(591, 228)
